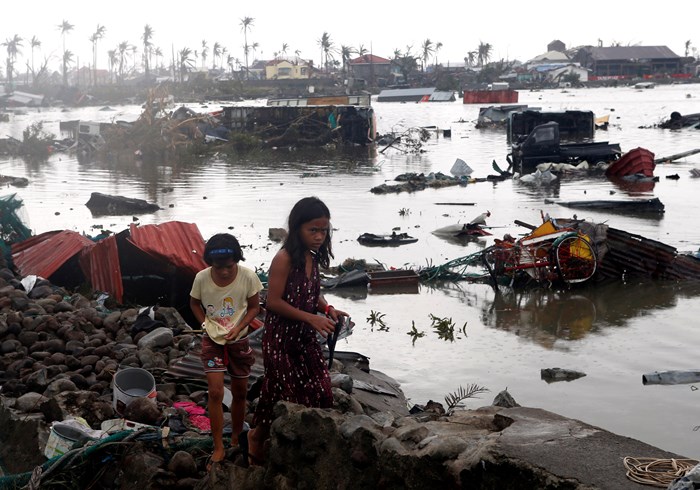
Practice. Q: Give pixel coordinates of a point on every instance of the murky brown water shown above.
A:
(614, 334)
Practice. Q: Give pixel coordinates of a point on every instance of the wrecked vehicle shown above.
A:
(680, 121)
(543, 145)
(303, 125)
(572, 124)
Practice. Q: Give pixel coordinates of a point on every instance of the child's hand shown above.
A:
(233, 333)
(322, 325)
(336, 314)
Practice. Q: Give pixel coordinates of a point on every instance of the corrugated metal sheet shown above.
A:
(631, 255)
(44, 254)
(632, 52)
(442, 96)
(103, 269)
(179, 243)
(400, 94)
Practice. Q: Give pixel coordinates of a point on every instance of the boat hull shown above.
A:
(637, 161)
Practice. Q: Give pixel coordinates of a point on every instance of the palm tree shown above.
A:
(122, 51)
(326, 45)
(112, 60)
(96, 36)
(246, 24)
(426, 49)
(687, 48)
(229, 62)
(205, 52)
(158, 53)
(133, 48)
(346, 53)
(285, 47)
(65, 27)
(67, 60)
(470, 59)
(484, 53)
(13, 44)
(254, 47)
(147, 46)
(186, 63)
(438, 45)
(34, 43)
(361, 50)
(224, 53)
(215, 53)
(297, 53)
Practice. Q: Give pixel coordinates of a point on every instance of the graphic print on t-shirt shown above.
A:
(224, 315)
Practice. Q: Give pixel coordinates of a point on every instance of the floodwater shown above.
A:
(614, 334)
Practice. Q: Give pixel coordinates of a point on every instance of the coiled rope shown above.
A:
(657, 472)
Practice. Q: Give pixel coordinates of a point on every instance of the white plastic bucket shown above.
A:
(61, 439)
(130, 384)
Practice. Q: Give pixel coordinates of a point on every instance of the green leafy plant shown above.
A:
(453, 400)
(445, 328)
(414, 333)
(404, 212)
(376, 318)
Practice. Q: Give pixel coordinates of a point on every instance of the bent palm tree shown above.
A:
(186, 63)
(326, 46)
(346, 53)
(484, 53)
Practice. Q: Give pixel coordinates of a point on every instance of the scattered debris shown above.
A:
(393, 240)
(552, 375)
(670, 377)
(107, 205)
(652, 206)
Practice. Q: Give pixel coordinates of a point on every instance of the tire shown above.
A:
(575, 259)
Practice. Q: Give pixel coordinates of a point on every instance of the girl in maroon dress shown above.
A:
(295, 369)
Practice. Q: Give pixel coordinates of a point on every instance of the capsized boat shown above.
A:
(460, 230)
(637, 161)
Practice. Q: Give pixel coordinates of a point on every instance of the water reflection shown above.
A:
(545, 316)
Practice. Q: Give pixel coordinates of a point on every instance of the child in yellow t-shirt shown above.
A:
(225, 299)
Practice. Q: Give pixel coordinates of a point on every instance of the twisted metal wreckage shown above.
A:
(568, 252)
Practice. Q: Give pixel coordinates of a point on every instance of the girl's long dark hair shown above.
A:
(307, 209)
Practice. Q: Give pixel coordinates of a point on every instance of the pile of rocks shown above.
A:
(58, 354)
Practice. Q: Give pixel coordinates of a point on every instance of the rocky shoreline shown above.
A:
(59, 352)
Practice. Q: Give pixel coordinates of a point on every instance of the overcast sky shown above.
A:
(516, 30)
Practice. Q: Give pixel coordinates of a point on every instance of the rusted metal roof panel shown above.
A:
(44, 254)
(102, 267)
(179, 243)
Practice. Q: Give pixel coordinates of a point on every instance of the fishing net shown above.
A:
(12, 227)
